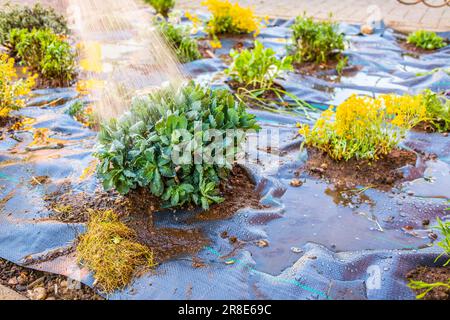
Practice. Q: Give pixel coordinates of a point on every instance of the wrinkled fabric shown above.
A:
(320, 246)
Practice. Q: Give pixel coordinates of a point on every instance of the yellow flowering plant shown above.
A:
(231, 18)
(12, 89)
(364, 127)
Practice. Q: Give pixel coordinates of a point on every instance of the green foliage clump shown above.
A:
(438, 110)
(44, 52)
(162, 7)
(23, 17)
(137, 150)
(317, 42)
(110, 250)
(258, 67)
(178, 38)
(426, 40)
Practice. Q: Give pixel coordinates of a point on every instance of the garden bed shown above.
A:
(383, 173)
(270, 238)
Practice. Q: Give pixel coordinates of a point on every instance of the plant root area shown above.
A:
(136, 211)
(382, 174)
(432, 275)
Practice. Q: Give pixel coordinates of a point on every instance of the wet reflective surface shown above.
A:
(319, 240)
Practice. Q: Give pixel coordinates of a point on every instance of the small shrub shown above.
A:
(426, 40)
(12, 89)
(23, 17)
(438, 110)
(230, 18)
(317, 42)
(179, 38)
(162, 7)
(364, 127)
(138, 148)
(110, 250)
(258, 67)
(44, 52)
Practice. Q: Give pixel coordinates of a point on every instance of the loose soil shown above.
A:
(382, 174)
(432, 275)
(326, 70)
(137, 208)
(411, 48)
(42, 285)
(312, 68)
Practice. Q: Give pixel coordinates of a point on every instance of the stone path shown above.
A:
(8, 294)
(398, 16)
(401, 17)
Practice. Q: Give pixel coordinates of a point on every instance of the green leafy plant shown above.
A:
(258, 67)
(179, 38)
(438, 110)
(44, 52)
(426, 40)
(317, 42)
(23, 17)
(342, 63)
(162, 6)
(137, 150)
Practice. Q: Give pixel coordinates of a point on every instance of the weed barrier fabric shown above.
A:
(323, 242)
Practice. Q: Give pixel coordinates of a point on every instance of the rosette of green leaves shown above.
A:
(427, 40)
(137, 149)
(258, 67)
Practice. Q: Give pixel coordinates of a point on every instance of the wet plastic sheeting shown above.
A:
(322, 245)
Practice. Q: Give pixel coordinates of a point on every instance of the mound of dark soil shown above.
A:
(432, 275)
(382, 174)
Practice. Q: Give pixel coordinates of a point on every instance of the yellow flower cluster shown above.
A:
(231, 18)
(12, 89)
(364, 127)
